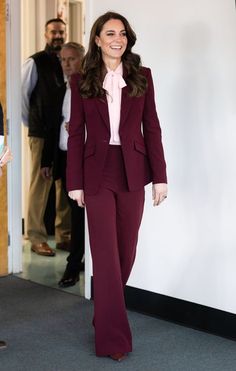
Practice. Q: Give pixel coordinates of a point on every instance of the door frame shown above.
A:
(3, 179)
(13, 87)
(13, 31)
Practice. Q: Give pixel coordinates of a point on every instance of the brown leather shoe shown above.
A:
(42, 249)
(118, 356)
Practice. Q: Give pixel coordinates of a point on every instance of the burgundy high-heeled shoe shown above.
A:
(118, 356)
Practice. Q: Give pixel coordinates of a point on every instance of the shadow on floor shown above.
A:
(47, 270)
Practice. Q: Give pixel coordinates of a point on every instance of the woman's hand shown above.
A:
(78, 196)
(67, 127)
(159, 193)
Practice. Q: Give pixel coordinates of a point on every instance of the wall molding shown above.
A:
(182, 312)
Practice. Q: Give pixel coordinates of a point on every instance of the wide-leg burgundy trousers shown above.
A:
(114, 217)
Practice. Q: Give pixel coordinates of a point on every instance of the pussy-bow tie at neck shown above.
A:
(112, 83)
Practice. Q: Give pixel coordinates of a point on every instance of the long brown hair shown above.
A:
(93, 68)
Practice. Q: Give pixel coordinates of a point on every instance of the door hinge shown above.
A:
(9, 239)
(7, 12)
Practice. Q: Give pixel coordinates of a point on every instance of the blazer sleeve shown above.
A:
(75, 152)
(152, 134)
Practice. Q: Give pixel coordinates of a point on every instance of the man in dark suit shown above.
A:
(71, 56)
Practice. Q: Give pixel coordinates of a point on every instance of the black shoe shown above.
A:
(65, 246)
(3, 344)
(68, 279)
(81, 267)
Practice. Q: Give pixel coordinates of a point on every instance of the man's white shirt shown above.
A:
(29, 78)
(66, 107)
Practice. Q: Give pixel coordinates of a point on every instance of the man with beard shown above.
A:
(43, 89)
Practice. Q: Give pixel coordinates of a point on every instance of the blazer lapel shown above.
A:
(102, 106)
(126, 102)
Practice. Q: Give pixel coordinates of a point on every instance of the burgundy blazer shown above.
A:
(89, 135)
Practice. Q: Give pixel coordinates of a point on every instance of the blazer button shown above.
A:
(105, 141)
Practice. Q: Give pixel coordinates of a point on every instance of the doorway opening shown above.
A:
(34, 14)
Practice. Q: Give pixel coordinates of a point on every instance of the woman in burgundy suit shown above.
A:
(114, 150)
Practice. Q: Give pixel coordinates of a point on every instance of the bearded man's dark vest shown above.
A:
(47, 97)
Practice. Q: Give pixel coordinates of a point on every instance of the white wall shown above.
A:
(187, 246)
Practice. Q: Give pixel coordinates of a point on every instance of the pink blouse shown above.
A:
(113, 83)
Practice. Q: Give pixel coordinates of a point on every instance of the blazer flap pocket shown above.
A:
(140, 147)
(89, 151)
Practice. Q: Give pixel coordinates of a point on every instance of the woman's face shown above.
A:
(112, 41)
